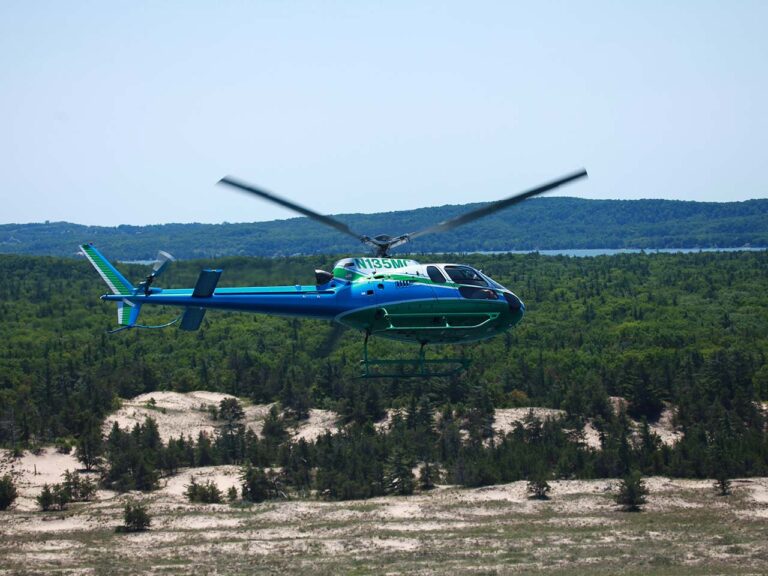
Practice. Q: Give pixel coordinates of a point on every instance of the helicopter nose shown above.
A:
(515, 304)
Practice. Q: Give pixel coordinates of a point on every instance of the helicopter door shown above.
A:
(435, 275)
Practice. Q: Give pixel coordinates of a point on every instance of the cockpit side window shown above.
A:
(465, 275)
(435, 275)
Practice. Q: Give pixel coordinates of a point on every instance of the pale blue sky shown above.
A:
(129, 112)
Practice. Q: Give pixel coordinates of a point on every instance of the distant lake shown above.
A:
(578, 252)
(590, 252)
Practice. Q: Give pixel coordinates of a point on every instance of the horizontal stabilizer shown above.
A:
(192, 318)
(206, 283)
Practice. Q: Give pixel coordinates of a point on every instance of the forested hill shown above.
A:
(541, 223)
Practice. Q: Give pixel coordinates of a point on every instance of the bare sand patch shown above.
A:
(581, 521)
(664, 428)
(47, 467)
(318, 423)
(223, 476)
(391, 544)
(404, 508)
(62, 523)
(426, 526)
(32, 471)
(180, 414)
(758, 488)
(515, 492)
(505, 419)
(618, 403)
(663, 484)
(592, 436)
(52, 545)
(385, 423)
(204, 521)
(188, 414)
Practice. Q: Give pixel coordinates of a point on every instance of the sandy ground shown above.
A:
(385, 423)
(505, 419)
(318, 423)
(665, 428)
(187, 414)
(685, 529)
(592, 436)
(31, 471)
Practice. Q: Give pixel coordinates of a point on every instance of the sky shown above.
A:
(130, 112)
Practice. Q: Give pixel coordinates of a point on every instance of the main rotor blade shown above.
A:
(327, 220)
(496, 206)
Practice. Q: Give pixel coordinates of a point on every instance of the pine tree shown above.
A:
(399, 475)
(204, 451)
(90, 445)
(231, 411)
(632, 492)
(429, 475)
(256, 486)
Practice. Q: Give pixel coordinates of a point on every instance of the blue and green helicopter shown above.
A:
(396, 298)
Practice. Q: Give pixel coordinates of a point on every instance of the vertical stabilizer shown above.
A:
(111, 275)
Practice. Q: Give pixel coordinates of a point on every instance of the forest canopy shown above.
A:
(686, 330)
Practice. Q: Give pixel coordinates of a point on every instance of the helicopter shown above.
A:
(378, 295)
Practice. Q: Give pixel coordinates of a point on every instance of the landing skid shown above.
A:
(410, 368)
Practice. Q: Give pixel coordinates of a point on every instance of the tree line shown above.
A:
(538, 224)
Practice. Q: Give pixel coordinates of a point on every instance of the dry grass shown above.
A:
(685, 529)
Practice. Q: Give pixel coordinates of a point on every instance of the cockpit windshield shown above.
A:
(465, 275)
(491, 282)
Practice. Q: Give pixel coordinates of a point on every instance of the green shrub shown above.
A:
(64, 445)
(45, 499)
(136, 518)
(258, 485)
(207, 493)
(80, 489)
(8, 492)
(538, 487)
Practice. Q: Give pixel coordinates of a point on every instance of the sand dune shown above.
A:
(188, 414)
